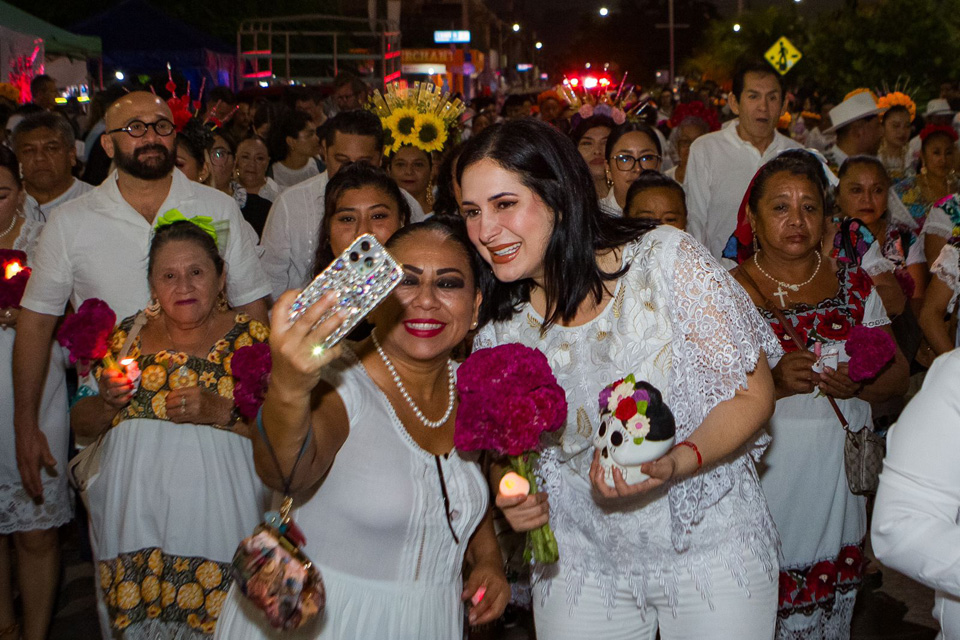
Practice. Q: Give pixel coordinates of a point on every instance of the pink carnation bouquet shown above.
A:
(870, 350)
(14, 274)
(251, 373)
(86, 334)
(508, 398)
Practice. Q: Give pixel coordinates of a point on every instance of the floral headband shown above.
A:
(898, 99)
(218, 230)
(931, 129)
(639, 407)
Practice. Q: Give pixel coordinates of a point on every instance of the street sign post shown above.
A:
(783, 55)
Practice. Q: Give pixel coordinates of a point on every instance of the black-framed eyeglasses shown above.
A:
(138, 128)
(219, 155)
(626, 162)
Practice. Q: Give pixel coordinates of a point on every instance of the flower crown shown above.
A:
(858, 91)
(620, 106)
(184, 109)
(695, 109)
(422, 117)
(931, 129)
(628, 403)
(898, 99)
(810, 115)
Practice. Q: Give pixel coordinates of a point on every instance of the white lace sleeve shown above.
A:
(873, 261)
(947, 268)
(938, 224)
(719, 336)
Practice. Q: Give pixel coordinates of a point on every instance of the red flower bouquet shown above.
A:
(14, 274)
(86, 334)
(251, 372)
(508, 398)
(870, 350)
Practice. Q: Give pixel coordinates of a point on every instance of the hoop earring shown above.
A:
(153, 309)
(222, 304)
(607, 177)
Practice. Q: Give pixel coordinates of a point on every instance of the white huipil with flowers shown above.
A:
(680, 322)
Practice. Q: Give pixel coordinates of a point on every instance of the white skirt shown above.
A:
(358, 609)
(18, 512)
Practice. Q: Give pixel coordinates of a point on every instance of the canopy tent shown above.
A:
(157, 40)
(56, 41)
(29, 46)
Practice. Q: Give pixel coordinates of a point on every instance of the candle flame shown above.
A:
(12, 269)
(513, 484)
(127, 361)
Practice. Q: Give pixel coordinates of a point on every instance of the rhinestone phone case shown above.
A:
(362, 276)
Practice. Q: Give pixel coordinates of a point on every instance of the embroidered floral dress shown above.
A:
(171, 501)
(18, 512)
(822, 525)
(678, 321)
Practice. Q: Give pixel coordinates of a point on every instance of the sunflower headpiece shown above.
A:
(423, 116)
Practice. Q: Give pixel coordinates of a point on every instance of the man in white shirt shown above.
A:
(289, 237)
(97, 245)
(722, 163)
(46, 149)
(856, 121)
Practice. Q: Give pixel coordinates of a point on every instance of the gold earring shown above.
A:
(222, 304)
(608, 178)
(430, 193)
(153, 309)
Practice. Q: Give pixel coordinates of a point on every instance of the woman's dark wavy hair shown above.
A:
(629, 127)
(454, 229)
(184, 230)
(798, 162)
(195, 138)
(8, 160)
(548, 163)
(592, 122)
(353, 176)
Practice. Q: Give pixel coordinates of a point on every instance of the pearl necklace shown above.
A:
(430, 424)
(780, 293)
(13, 223)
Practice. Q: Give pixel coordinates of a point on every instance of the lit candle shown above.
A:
(513, 484)
(12, 269)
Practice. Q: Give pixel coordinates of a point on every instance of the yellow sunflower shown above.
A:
(431, 133)
(402, 126)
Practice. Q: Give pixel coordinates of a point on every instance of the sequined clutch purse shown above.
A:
(273, 572)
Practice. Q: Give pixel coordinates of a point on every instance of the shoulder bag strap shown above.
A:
(792, 331)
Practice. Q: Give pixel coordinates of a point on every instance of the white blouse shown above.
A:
(915, 519)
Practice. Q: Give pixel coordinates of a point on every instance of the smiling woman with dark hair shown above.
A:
(603, 296)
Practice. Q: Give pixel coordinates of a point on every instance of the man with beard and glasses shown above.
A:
(95, 246)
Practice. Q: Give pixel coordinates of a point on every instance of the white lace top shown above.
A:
(947, 268)
(681, 322)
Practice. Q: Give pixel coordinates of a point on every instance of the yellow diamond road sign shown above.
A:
(782, 55)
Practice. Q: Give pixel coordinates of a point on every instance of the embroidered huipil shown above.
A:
(171, 501)
(680, 322)
(822, 526)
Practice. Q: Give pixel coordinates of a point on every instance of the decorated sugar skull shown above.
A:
(635, 427)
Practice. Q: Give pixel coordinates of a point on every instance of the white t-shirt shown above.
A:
(33, 210)
(96, 246)
(289, 237)
(289, 177)
(720, 168)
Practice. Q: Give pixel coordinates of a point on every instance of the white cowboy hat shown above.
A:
(938, 107)
(854, 108)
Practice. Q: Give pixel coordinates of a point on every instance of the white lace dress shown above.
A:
(679, 321)
(377, 529)
(17, 511)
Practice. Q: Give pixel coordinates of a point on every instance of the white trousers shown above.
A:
(735, 614)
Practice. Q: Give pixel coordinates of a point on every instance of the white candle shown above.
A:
(513, 484)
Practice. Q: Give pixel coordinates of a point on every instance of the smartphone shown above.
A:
(362, 277)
